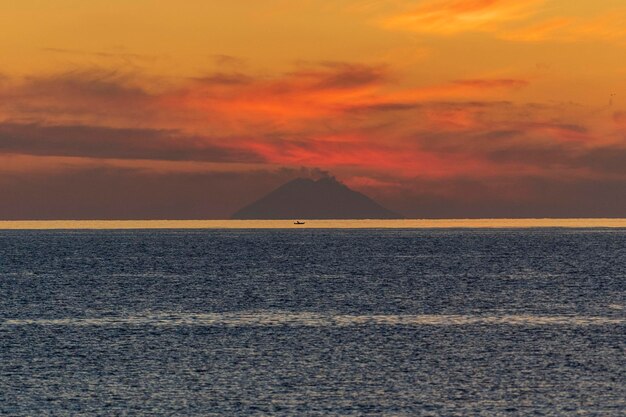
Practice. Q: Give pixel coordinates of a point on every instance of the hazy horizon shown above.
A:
(314, 224)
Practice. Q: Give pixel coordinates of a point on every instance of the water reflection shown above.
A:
(285, 318)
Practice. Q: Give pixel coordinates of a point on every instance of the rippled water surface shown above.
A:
(313, 322)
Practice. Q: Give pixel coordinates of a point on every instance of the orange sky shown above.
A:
(437, 108)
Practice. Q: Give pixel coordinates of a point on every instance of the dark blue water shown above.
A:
(313, 322)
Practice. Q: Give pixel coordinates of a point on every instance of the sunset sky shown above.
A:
(191, 109)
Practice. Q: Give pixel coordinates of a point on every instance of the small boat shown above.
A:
(298, 222)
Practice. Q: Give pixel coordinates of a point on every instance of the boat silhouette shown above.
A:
(298, 222)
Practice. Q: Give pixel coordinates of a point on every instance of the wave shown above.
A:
(284, 318)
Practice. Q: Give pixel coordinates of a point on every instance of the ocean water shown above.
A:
(396, 322)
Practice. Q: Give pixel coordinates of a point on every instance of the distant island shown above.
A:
(304, 198)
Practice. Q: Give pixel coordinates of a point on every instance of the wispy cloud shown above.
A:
(493, 83)
(609, 26)
(522, 21)
(117, 143)
(449, 17)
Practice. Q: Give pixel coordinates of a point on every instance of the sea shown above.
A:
(305, 321)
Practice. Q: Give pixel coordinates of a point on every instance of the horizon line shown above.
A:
(466, 223)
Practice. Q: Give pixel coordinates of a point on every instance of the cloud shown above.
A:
(286, 101)
(328, 115)
(606, 159)
(620, 119)
(224, 78)
(231, 102)
(339, 75)
(225, 60)
(493, 83)
(86, 95)
(99, 84)
(513, 20)
(384, 107)
(126, 57)
(351, 119)
(609, 26)
(116, 143)
(366, 183)
(449, 17)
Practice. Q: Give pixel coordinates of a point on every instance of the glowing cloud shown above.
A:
(495, 107)
(448, 17)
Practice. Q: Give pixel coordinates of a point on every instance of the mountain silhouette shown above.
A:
(305, 198)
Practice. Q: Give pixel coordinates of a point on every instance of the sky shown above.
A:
(191, 109)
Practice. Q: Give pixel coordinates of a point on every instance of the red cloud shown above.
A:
(341, 117)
